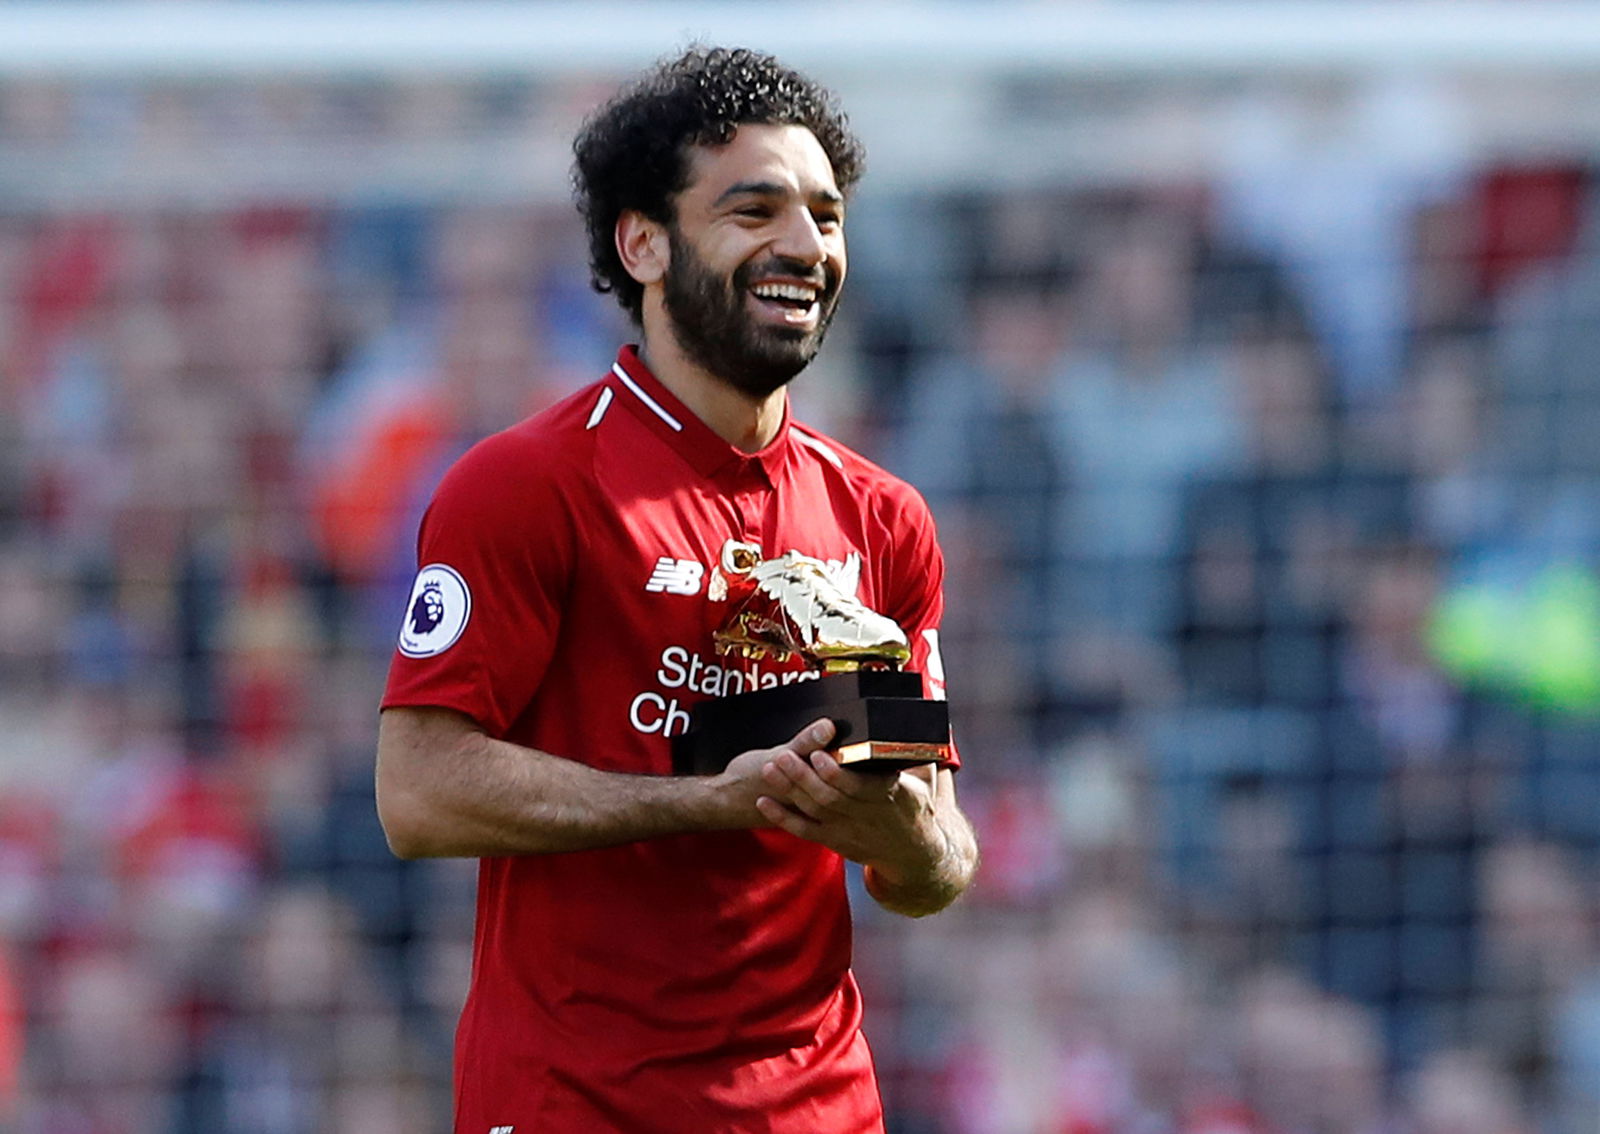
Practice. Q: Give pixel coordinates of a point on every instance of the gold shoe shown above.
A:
(794, 604)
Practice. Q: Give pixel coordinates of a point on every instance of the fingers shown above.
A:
(790, 820)
(823, 767)
(807, 789)
(785, 772)
(816, 786)
(814, 736)
(783, 777)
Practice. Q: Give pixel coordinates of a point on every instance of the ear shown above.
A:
(643, 246)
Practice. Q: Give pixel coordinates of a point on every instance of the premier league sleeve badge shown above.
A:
(437, 612)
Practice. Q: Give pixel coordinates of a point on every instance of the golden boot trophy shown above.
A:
(791, 605)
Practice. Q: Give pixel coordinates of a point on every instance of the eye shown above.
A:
(753, 212)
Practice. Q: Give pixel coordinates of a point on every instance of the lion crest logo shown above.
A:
(436, 613)
(427, 611)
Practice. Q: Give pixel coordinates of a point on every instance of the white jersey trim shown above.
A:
(600, 407)
(654, 405)
(817, 446)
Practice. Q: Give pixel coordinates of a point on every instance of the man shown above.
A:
(659, 952)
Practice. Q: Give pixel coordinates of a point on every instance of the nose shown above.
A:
(801, 239)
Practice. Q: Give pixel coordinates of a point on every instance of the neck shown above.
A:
(745, 421)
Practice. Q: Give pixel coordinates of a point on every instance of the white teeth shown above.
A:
(786, 291)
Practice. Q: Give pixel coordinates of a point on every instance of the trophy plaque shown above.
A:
(795, 605)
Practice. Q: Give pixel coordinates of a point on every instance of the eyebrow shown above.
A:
(771, 189)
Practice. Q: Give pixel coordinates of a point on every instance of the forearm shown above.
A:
(939, 871)
(446, 790)
(935, 867)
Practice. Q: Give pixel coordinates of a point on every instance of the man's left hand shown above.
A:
(904, 827)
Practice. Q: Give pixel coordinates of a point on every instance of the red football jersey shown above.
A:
(692, 983)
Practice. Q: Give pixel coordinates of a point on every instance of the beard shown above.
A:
(715, 330)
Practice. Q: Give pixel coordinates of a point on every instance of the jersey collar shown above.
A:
(671, 420)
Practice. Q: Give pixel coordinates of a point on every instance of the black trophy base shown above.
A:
(882, 722)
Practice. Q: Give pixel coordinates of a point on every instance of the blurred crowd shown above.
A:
(1273, 632)
(1273, 643)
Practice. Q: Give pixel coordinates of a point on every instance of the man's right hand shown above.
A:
(447, 789)
(741, 783)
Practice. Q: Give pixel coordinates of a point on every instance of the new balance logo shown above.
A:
(676, 576)
(501, 1129)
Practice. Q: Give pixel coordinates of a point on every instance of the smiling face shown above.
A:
(757, 257)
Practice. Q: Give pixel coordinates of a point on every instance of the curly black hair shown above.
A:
(633, 153)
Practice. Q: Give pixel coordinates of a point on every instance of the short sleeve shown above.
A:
(494, 556)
